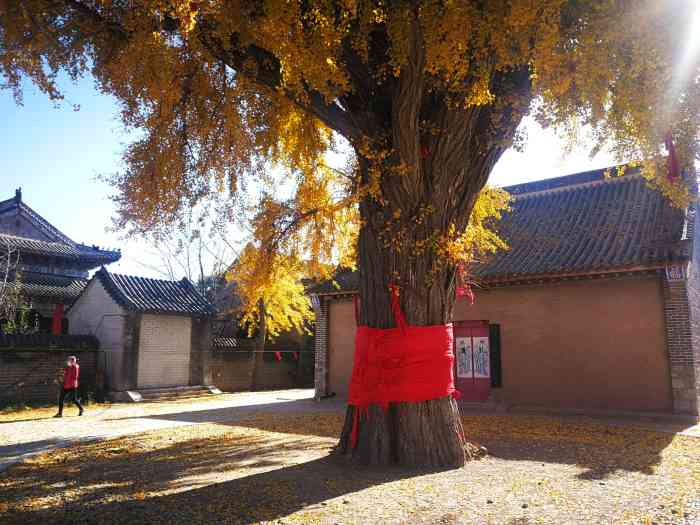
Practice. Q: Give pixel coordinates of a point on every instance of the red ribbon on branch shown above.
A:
(673, 165)
(463, 288)
(403, 364)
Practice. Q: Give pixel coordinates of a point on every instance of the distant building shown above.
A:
(595, 306)
(53, 268)
(154, 334)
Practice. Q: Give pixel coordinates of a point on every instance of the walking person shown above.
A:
(70, 385)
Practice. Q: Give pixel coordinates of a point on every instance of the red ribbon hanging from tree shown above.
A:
(403, 364)
(673, 165)
(463, 288)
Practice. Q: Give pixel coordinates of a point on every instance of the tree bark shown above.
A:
(428, 433)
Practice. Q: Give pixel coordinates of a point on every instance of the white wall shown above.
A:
(96, 313)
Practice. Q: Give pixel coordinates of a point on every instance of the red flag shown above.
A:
(57, 320)
(278, 356)
(673, 165)
(296, 356)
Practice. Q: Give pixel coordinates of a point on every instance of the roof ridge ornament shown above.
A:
(18, 194)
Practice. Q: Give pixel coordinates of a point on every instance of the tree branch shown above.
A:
(263, 68)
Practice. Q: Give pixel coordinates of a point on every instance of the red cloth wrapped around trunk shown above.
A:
(406, 363)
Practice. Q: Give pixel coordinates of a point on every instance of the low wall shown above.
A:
(33, 374)
(232, 371)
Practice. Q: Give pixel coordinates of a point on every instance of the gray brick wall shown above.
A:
(34, 375)
(321, 349)
(682, 312)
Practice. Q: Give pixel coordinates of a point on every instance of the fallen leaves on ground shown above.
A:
(276, 468)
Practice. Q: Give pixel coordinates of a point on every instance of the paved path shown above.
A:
(20, 439)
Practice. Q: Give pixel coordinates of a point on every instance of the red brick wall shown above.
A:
(590, 344)
(586, 344)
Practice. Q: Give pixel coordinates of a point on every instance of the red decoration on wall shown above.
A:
(406, 363)
(57, 320)
(278, 356)
(424, 151)
(673, 165)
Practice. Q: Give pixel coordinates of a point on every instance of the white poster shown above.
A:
(481, 357)
(464, 356)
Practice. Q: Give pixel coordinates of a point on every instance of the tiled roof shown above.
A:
(587, 226)
(49, 341)
(27, 245)
(344, 280)
(584, 223)
(145, 295)
(42, 224)
(56, 287)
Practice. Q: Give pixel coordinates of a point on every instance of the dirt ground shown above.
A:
(276, 468)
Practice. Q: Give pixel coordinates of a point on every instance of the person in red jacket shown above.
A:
(70, 385)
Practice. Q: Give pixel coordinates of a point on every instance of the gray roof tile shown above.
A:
(146, 295)
(584, 223)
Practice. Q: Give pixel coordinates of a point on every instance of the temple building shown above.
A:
(52, 269)
(595, 305)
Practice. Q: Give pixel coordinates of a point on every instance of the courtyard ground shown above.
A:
(265, 458)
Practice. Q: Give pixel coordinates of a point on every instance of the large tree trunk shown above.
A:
(437, 186)
(427, 433)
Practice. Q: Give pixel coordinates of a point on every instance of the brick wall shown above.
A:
(321, 349)
(200, 352)
(680, 346)
(164, 351)
(232, 371)
(682, 312)
(33, 374)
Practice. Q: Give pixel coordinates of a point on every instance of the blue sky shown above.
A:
(56, 154)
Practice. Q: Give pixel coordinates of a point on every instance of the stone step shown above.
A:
(172, 393)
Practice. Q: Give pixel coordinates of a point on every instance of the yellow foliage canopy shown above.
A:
(427, 94)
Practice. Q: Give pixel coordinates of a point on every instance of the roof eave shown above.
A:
(545, 277)
(553, 276)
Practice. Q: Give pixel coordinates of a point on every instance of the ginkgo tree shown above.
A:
(427, 94)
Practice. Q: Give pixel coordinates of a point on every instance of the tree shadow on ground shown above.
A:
(226, 414)
(599, 449)
(197, 481)
(265, 468)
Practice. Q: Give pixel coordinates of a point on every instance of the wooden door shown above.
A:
(472, 360)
